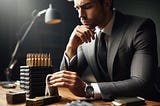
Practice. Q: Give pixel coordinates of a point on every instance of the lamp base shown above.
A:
(8, 84)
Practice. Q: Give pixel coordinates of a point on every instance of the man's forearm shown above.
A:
(70, 51)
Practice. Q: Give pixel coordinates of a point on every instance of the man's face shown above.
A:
(91, 12)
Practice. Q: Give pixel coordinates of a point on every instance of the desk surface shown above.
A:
(67, 97)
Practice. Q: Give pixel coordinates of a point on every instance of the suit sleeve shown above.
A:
(143, 64)
(77, 64)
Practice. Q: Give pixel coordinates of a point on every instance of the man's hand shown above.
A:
(70, 80)
(81, 34)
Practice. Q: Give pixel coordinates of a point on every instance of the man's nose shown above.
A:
(81, 13)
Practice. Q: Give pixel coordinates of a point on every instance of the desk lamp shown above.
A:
(51, 17)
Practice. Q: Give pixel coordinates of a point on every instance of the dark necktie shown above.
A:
(102, 51)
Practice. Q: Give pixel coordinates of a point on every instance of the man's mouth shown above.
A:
(88, 23)
(85, 22)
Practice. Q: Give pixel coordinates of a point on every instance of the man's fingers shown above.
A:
(61, 84)
(92, 33)
(65, 72)
(63, 76)
(59, 80)
(85, 34)
(65, 79)
(88, 36)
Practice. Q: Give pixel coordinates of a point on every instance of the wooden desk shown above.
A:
(67, 97)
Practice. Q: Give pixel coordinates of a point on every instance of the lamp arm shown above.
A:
(12, 61)
(28, 28)
(41, 12)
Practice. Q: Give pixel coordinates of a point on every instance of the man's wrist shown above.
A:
(70, 51)
(89, 91)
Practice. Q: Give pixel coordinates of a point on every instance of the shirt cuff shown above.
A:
(67, 59)
(97, 92)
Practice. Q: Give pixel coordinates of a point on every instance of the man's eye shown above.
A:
(87, 6)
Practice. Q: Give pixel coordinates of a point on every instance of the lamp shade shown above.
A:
(52, 16)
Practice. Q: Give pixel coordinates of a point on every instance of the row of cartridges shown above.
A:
(38, 59)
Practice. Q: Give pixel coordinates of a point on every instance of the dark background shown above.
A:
(15, 16)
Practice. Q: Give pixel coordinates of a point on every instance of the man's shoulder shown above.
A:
(133, 17)
(130, 21)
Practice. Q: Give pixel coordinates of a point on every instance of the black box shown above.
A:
(43, 100)
(32, 79)
(15, 97)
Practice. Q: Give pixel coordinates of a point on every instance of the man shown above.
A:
(131, 61)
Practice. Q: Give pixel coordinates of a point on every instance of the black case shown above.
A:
(32, 80)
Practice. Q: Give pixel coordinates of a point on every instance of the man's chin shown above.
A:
(89, 26)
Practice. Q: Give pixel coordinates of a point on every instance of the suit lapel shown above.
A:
(114, 41)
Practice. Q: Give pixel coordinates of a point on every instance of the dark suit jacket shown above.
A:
(131, 58)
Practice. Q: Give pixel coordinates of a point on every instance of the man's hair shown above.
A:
(102, 2)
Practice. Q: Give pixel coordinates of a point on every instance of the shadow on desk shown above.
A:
(67, 97)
